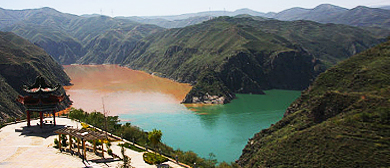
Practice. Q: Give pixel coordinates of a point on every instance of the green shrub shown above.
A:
(55, 143)
(109, 151)
(151, 158)
(132, 147)
(64, 140)
(11, 119)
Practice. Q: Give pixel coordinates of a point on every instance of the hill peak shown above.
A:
(329, 7)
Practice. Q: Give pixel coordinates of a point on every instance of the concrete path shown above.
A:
(35, 149)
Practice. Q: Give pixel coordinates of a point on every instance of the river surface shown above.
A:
(153, 102)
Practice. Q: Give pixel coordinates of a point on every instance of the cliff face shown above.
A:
(20, 63)
(209, 89)
(341, 120)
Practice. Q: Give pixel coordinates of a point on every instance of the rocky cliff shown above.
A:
(209, 89)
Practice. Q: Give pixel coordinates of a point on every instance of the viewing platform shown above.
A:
(23, 146)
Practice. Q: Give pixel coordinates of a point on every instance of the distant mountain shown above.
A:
(385, 7)
(20, 63)
(168, 23)
(374, 19)
(208, 13)
(68, 38)
(364, 17)
(341, 120)
(319, 13)
(249, 55)
(10, 17)
(179, 21)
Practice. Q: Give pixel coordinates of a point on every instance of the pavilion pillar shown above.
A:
(59, 142)
(54, 118)
(28, 118)
(41, 118)
(85, 158)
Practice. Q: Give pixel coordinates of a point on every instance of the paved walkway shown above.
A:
(33, 149)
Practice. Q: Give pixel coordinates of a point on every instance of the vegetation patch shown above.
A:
(132, 147)
(152, 158)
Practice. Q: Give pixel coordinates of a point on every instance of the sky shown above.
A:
(175, 7)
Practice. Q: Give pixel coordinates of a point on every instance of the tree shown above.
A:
(63, 140)
(155, 137)
(211, 161)
(126, 159)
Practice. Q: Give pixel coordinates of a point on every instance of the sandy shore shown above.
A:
(23, 147)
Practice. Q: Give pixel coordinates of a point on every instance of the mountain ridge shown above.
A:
(230, 46)
(249, 55)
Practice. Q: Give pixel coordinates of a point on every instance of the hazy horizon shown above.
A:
(116, 8)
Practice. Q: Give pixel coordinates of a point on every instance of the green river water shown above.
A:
(220, 129)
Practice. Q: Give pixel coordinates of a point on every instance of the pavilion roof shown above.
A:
(85, 134)
(40, 85)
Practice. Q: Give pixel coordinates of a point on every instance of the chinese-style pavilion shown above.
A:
(40, 98)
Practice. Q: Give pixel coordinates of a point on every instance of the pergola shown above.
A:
(83, 135)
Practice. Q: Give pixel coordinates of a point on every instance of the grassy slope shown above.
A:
(20, 62)
(342, 120)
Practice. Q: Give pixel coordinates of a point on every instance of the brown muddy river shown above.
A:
(116, 86)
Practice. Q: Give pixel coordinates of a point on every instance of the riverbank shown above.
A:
(24, 149)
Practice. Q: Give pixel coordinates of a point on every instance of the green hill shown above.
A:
(20, 63)
(341, 120)
(249, 55)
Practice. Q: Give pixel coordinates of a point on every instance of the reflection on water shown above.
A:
(152, 102)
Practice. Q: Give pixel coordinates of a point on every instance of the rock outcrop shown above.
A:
(209, 89)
